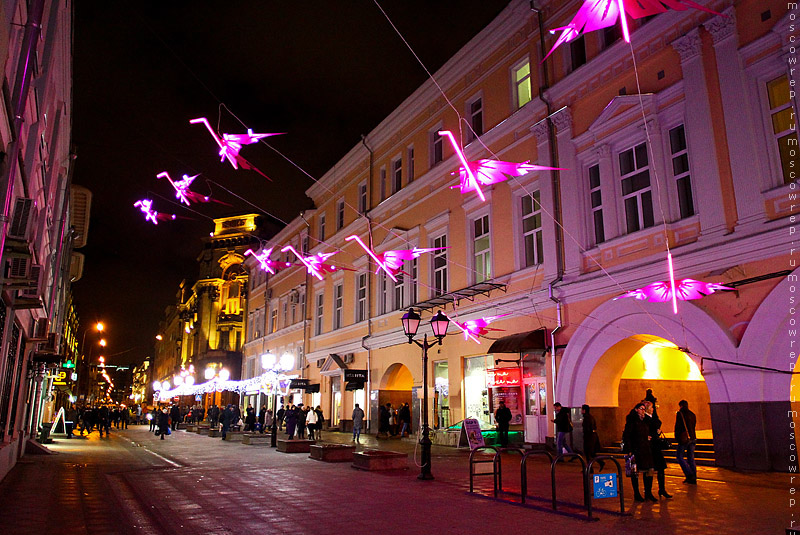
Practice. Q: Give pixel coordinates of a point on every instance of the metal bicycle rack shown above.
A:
(524, 470)
(473, 462)
(588, 474)
(498, 467)
(553, 476)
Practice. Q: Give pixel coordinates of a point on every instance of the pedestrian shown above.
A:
(656, 447)
(320, 421)
(125, 417)
(227, 419)
(392, 419)
(262, 416)
(175, 415)
(686, 436)
(250, 419)
(70, 419)
(358, 422)
(563, 427)
(405, 420)
(290, 417)
(163, 423)
(104, 421)
(152, 416)
(268, 421)
(502, 416)
(311, 423)
(636, 440)
(300, 416)
(281, 415)
(591, 440)
(383, 420)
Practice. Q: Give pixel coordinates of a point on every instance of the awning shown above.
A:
(354, 385)
(517, 343)
(312, 389)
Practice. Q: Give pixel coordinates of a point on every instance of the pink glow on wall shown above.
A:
(146, 206)
(685, 290)
(266, 263)
(488, 172)
(231, 144)
(469, 177)
(472, 329)
(315, 264)
(392, 261)
(672, 283)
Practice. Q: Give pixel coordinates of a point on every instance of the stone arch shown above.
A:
(397, 377)
(587, 358)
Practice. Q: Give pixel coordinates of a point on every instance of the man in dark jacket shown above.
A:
(503, 417)
(685, 423)
(175, 414)
(227, 419)
(563, 427)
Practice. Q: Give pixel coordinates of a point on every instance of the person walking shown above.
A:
(175, 415)
(311, 423)
(153, 418)
(103, 421)
(405, 420)
(163, 423)
(686, 436)
(281, 414)
(262, 416)
(227, 419)
(591, 440)
(563, 427)
(383, 420)
(290, 417)
(502, 417)
(320, 421)
(358, 422)
(300, 416)
(250, 419)
(70, 419)
(636, 438)
(659, 462)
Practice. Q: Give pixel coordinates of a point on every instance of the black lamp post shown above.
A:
(439, 324)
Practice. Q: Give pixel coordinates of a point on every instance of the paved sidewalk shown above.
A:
(135, 483)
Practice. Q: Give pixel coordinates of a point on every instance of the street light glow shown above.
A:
(99, 326)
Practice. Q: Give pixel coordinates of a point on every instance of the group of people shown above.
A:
(299, 418)
(99, 417)
(394, 422)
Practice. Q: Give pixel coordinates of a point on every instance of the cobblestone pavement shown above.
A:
(135, 483)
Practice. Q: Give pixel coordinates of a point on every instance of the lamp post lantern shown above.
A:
(439, 324)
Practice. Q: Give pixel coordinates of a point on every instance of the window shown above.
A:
(636, 193)
(362, 198)
(383, 183)
(410, 159)
(340, 215)
(322, 228)
(397, 175)
(596, 199)
(610, 35)
(412, 280)
(294, 312)
(680, 170)
(383, 292)
(475, 113)
(273, 320)
(440, 266)
(436, 147)
(783, 124)
(286, 313)
(318, 315)
(483, 260)
(532, 229)
(522, 84)
(398, 293)
(337, 306)
(577, 52)
(361, 298)
(305, 247)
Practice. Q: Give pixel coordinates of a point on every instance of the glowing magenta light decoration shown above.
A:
(473, 175)
(266, 263)
(392, 261)
(685, 290)
(315, 264)
(479, 327)
(146, 206)
(598, 14)
(231, 144)
(182, 191)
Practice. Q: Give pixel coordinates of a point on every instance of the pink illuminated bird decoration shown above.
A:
(473, 175)
(685, 290)
(392, 261)
(231, 144)
(146, 206)
(598, 14)
(315, 264)
(183, 193)
(479, 327)
(266, 263)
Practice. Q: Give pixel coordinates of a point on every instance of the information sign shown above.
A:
(605, 485)
(472, 428)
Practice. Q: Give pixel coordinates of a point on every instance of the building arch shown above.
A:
(397, 377)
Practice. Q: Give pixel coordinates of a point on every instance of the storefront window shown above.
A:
(533, 365)
(441, 395)
(476, 394)
(336, 401)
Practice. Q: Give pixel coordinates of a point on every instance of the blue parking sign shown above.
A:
(605, 485)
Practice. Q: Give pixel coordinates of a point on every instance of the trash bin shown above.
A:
(44, 433)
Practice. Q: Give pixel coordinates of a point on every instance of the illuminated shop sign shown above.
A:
(497, 377)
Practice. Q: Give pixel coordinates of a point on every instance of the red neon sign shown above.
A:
(503, 377)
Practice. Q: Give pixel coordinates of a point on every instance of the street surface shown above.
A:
(189, 484)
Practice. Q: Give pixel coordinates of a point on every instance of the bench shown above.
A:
(257, 439)
(295, 445)
(332, 453)
(380, 460)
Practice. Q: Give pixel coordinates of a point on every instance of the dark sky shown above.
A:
(325, 72)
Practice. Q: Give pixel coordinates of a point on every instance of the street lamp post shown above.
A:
(439, 323)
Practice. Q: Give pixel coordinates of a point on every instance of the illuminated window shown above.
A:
(532, 229)
(439, 260)
(273, 320)
(784, 128)
(596, 199)
(338, 306)
(637, 195)
(680, 170)
(483, 260)
(361, 298)
(522, 83)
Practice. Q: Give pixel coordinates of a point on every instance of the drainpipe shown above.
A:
(367, 402)
(556, 200)
(19, 98)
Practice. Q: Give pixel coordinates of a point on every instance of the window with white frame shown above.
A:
(383, 183)
(596, 201)
(285, 312)
(305, 248)
(784, 129)
(384, 303)
(437, 147)
(521, 79)
(412, 268)
(362, 198)
(410, 160)
(439, 260)
(475, 115)
(338, 306)
(637, 195)
(532, 229)
(361, 297)
(318, 314)
(680, 170)
(481, 248)
(397, 175)
(340, 214)
(294, 312)
(397, 298)
(273, 320)
(321, 228)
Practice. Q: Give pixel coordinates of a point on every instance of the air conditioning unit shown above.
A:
(294, 297)
(348, 358)
(20, 225)
(36, 275)
(19, 267)
(40, 328)
(320, 362)
(51, 346)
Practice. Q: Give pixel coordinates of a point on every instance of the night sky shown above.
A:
(323, 72)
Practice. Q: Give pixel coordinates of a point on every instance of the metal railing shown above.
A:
(523, 467)
(498, 467)
(473, 462)
(553, 476)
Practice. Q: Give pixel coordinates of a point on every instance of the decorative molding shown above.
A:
(602, 151)
(722, 26)
(542, 132)
(562, 119)
(689, 46)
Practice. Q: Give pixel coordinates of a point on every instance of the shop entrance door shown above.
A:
(535, 410)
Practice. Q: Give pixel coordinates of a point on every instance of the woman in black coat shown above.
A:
(637, 441)
(163, 422)
(659, 462)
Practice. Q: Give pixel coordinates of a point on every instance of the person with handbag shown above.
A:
(685, 423)
(658, 443)
(636, 438)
